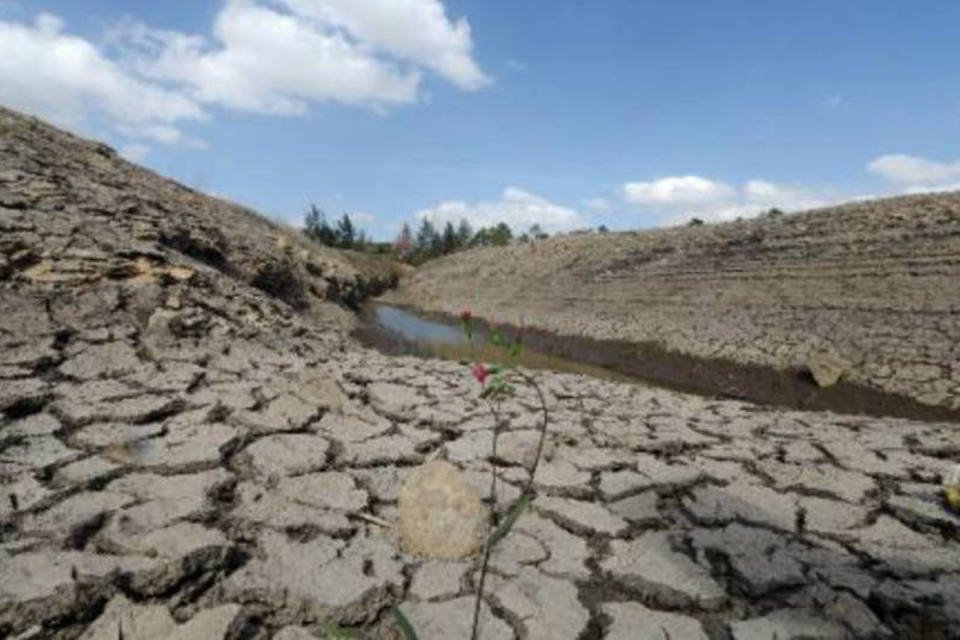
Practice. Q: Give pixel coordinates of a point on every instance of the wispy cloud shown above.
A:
(517, 207)
(913, 170)
(678, 198)
(274, 57)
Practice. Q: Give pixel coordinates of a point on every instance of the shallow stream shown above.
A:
(399, 331)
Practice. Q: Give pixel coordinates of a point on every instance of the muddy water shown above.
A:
(399, 331)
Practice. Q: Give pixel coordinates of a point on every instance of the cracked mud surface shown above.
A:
(873, 282)
(184, 455)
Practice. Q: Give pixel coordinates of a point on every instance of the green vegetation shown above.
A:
(342, 234)
(429, 242)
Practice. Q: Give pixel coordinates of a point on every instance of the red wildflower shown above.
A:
(480, 372)
(466, 315)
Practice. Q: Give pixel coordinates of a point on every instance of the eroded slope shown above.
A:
(877, 282)
(184, 456)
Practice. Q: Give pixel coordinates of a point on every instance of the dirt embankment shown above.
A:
(877, 283)
(97, 194)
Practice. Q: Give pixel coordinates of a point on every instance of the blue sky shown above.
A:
(619, 112)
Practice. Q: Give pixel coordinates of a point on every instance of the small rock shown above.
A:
(440, 514)
(951, 489)
(826, 367)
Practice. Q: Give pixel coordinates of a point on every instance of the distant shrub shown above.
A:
(695, 222)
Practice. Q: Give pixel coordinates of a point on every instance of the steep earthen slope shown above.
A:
(878, 282)
(92, 198)
(188, 451)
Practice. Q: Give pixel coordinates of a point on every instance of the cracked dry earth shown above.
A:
(185, 456)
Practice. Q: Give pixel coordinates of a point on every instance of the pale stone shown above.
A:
(440, 514)
(826, 367)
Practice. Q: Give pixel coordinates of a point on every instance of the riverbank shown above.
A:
(873, 282)
(645, 363)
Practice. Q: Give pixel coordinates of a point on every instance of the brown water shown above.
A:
(398, 331)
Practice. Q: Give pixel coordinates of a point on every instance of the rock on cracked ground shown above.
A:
(183, 454)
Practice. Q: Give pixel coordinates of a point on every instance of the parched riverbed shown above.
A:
(192, 447)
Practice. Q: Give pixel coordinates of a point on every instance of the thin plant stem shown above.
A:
(545, 412)
(491, 523)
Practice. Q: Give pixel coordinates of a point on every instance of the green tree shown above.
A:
(316, 228)
(346, 233)
(426, 239)
(481, 238)
(464, 234)
(449, 242)
(501, 235)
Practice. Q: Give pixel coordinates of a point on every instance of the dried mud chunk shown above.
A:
(441, 515)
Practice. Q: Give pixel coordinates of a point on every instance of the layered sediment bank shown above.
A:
(874, 283)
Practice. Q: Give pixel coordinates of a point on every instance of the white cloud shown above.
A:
(67, 79)
(414, 30)
(266, 56)
(270, 62)
(914, 171)
(680, 198)
(265, 59)
(518, 208)
(676, 190)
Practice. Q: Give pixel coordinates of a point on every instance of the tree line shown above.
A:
(430, 242)
(342, 234)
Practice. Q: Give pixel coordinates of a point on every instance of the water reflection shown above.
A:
(415, 328)
(398, 331)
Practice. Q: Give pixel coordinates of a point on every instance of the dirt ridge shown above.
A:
(875, 282)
